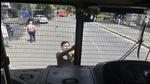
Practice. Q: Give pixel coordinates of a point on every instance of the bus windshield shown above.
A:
(32, 42)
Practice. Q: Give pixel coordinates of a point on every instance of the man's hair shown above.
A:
(64, 42)
(30, 19)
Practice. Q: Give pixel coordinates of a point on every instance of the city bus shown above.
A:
(78, 49)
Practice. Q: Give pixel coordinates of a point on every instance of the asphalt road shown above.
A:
(99, 45)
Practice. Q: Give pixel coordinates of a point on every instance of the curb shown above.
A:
(125, 36)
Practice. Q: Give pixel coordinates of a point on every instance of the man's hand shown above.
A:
(67, 51)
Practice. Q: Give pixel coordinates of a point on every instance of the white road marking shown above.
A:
(120, 36)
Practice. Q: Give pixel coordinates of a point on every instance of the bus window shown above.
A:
(111, 36)
(37, 49)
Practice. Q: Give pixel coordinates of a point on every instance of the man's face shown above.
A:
(30, 22)
(65, 46)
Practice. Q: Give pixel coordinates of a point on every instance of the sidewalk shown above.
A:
(39, 54)
(15, 20)
(127, 32)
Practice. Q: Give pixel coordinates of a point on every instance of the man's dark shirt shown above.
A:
(64, 60)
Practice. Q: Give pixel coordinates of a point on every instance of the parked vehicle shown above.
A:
(62, 13)
(40, 19)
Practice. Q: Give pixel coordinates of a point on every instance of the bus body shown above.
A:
(102, 52)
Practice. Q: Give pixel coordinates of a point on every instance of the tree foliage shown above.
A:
(44, 6)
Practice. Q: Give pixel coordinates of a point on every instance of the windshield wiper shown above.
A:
(130, 50)
(138, 43)
(147, 55)
(141, 38)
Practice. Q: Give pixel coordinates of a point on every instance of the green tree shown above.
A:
(44, 6)
(23, 6)
(70, 9)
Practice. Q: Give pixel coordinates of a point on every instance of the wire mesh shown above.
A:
(106, 39)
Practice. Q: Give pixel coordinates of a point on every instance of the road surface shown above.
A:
(99, 44)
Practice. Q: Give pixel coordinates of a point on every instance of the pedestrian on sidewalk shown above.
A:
(66, 55)
(5, 35)
(31, 29)
(10, 30)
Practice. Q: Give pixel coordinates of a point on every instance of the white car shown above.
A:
(40, 19)
(133, 24)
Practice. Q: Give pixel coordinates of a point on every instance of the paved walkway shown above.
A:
(15, 20)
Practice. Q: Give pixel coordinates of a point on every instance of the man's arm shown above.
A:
(59, 55)
(34, 28)
(27, 27)
(66, 51)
